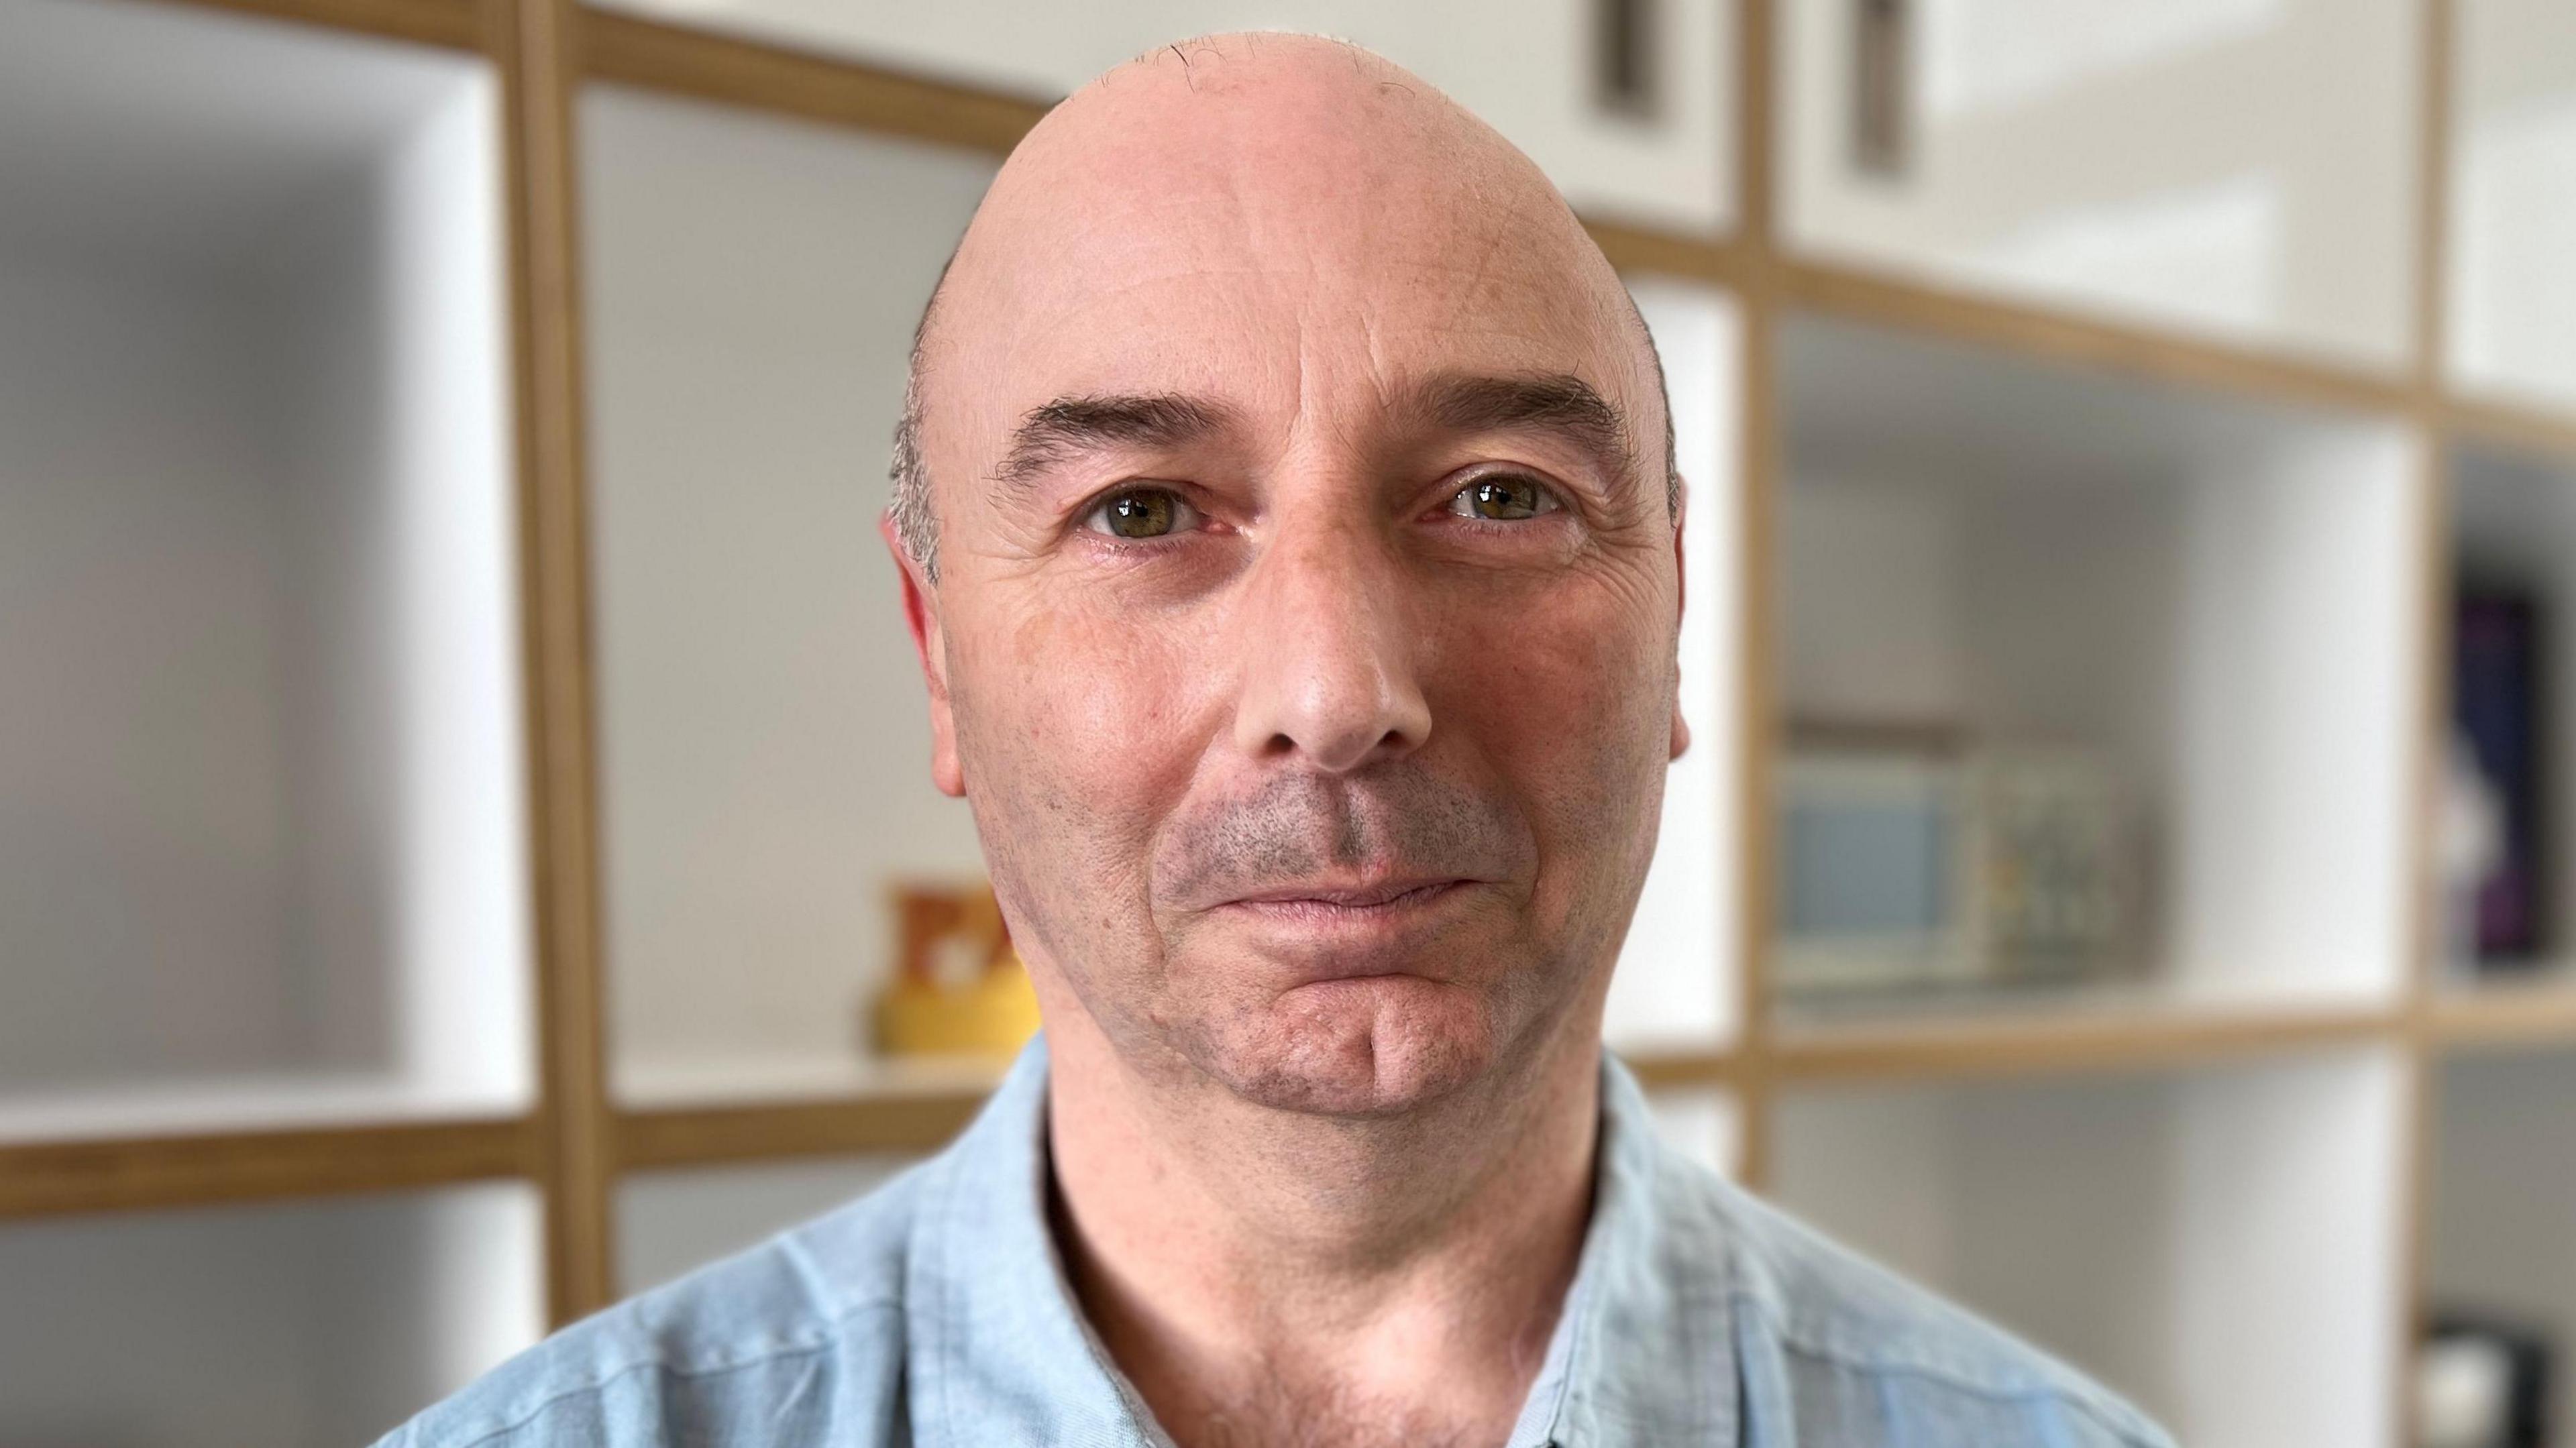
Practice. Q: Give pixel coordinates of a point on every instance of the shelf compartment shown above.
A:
(2511, 292)
(2241, 169)
(2222, 1247)
(262, 780)
(2512, 525)
(764, 742)
(310, 1324)
(2501, 1193)
(2216, 601)
(1533, 79)
(670, 1223)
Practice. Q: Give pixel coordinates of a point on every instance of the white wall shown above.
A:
(144, 841)
(1679, 980)
(2512, 208)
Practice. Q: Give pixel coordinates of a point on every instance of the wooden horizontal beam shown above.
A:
(757, 76)
(2499, 1017)
(2054, 336)
(1662, 1070)
(49, 1178)
(2519, 429)
(909, 1122)
(2042, 1044)
(1716, 260)
(455, 24)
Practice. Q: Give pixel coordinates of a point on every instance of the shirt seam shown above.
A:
(768, 1354)
(2071, 1395)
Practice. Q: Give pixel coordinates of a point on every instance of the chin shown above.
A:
(1366, 1047)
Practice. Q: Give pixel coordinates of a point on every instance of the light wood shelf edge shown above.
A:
(2058, 1046)
(658, 1138)
(758, 76)
(51, 1178)
(2061, 336)
(454, 24)
(2503, 1017)
(2513, 426)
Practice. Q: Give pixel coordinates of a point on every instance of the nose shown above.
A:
(1328, 647)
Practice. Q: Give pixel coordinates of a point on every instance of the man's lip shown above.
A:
(1360, 895)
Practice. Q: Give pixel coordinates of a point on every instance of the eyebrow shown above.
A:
(1556, 403)
(1065, 429)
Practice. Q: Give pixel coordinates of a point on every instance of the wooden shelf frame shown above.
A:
(576, 1142)
(50, 1178)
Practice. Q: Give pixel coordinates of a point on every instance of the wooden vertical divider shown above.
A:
(534, 43)
(2428, 414)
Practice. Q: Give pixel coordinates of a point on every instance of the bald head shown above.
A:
(1254, 153)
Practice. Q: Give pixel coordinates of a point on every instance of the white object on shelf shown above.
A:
(2215, 598)
(2512, 208)
(764, 737)
(297, 1326)
(261, 778)
(2221, 1247)
(1677, 984)
(1523, 65)
(2244, 168)
(672, 1222)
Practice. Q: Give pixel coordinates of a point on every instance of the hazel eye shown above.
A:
(1142, 513)
(1503, 498)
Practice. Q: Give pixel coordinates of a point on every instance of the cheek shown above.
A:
(1078, 734)
(1570, 702)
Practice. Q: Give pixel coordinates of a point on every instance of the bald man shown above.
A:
(1289, 529)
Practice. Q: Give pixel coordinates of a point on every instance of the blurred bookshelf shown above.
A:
(455, 827)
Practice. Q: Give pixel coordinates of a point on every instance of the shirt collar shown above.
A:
(999, 1352)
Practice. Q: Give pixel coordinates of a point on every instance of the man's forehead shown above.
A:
(1272, 195)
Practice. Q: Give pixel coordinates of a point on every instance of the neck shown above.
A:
(1258, 1272)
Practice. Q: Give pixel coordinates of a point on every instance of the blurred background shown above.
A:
(466, 851)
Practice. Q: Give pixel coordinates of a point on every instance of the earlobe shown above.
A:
(921, 615)
(1681, 731)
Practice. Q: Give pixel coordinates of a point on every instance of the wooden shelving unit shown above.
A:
(627, 363)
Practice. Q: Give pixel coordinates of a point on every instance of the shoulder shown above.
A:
(1834, 1348)
(800, 1337)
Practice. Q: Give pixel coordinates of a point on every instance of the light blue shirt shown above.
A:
(935, 1312)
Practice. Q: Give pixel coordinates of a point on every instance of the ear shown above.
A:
(1681, 601)
(921, 614)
